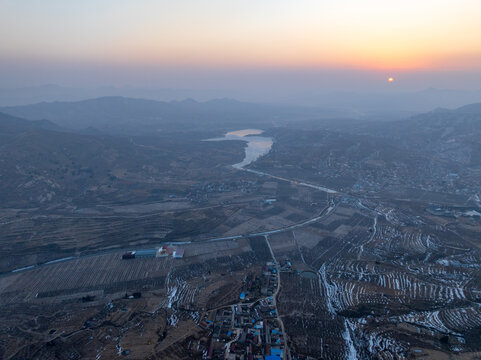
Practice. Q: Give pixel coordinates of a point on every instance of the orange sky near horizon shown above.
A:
(369, 34)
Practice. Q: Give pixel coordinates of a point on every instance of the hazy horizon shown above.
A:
(243, 47)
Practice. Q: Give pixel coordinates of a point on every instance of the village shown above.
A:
(250, 329)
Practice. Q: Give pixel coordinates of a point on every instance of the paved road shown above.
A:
(287, 352)
(295, 182)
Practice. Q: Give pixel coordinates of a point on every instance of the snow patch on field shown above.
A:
(351, 353)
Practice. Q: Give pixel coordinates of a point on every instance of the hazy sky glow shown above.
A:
(382, 36)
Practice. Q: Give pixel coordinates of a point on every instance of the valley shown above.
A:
(328, 246)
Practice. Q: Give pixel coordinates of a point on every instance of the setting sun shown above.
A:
(390, 79)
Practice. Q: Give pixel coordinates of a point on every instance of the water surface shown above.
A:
(257, 146)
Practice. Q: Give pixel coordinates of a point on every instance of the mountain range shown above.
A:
(133, 116)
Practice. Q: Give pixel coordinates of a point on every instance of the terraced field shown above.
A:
(383, 282)
(106, 274)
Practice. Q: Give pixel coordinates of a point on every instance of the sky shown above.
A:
(336, 45)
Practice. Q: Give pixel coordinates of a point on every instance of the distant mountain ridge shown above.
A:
(12, 126)
(127, 115)
(474, 109)
(388, 103)
(470, 109)
(15, 123)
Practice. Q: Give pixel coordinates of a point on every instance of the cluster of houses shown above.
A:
(264, 285)
(249, 330)
(245, 331)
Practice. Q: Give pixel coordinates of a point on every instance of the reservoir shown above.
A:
(257, 145)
